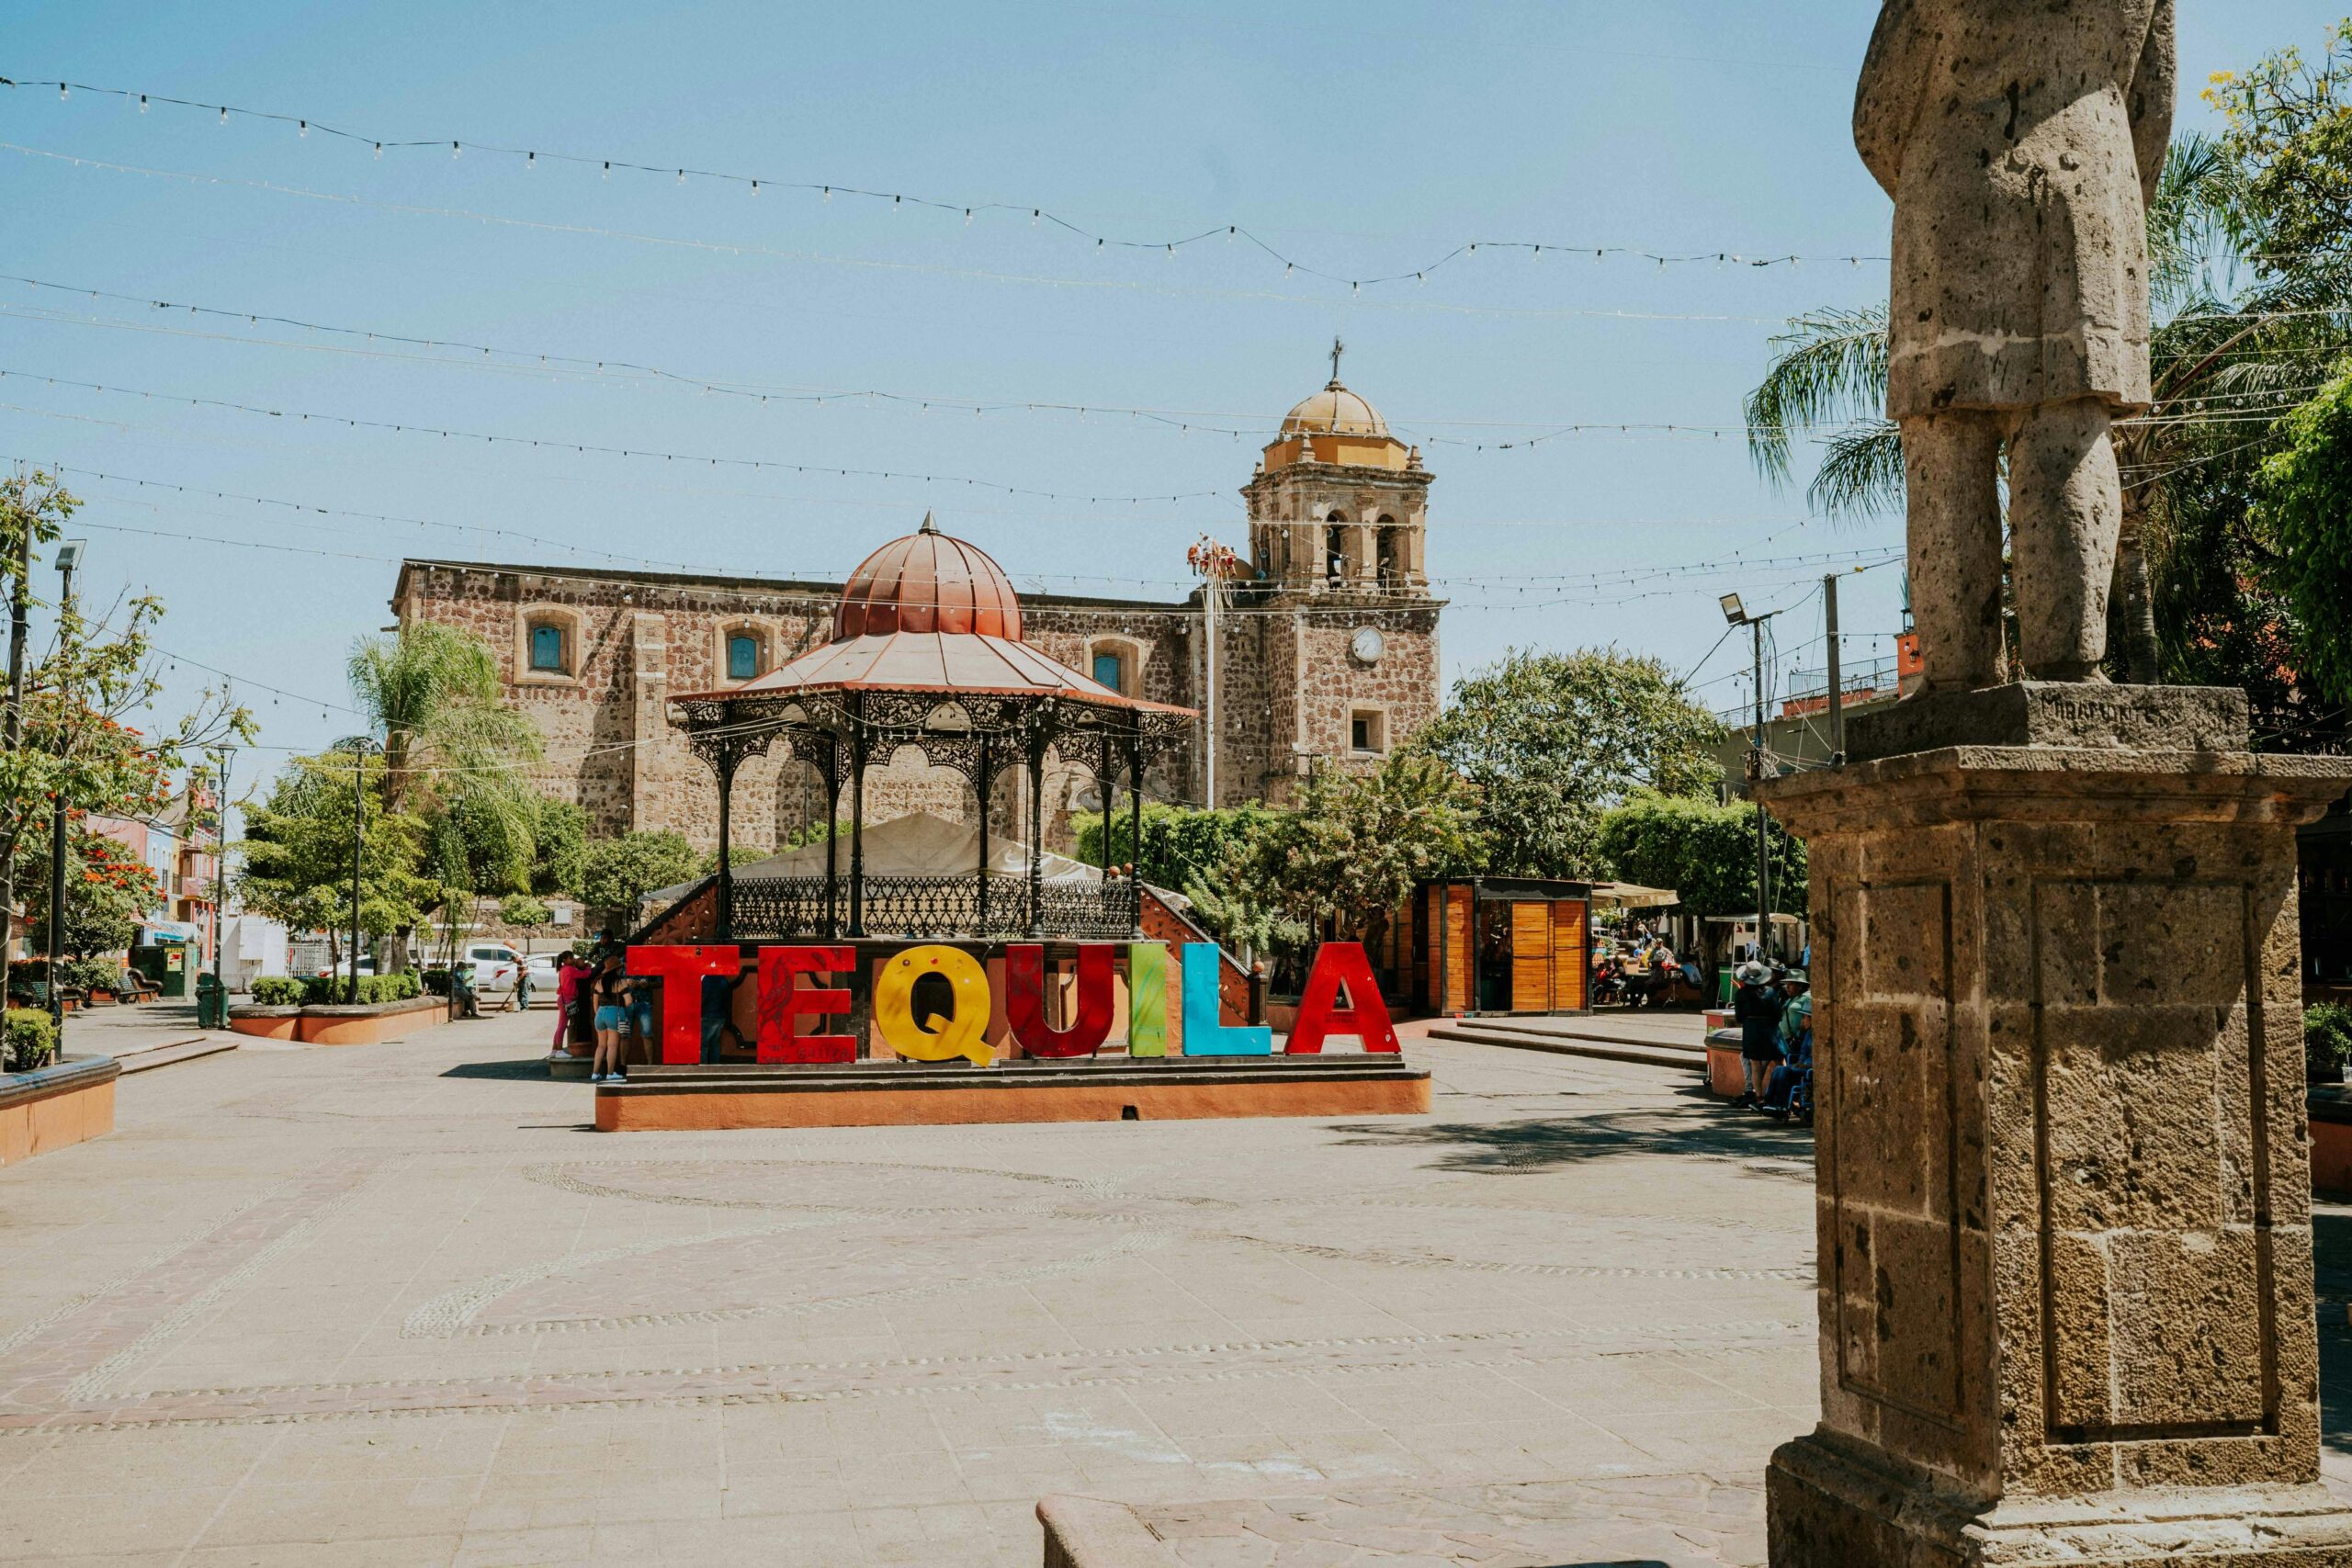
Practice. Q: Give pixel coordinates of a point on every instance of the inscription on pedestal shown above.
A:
(2156, 1255)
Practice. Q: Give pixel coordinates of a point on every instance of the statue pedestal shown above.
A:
(2064, 1193)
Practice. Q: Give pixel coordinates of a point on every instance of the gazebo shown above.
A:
(927, 652)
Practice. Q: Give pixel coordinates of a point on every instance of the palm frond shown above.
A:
(1861, 472)
(1829, 366)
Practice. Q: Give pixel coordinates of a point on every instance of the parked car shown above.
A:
(366, 966)
(499, 970)
(545, 979)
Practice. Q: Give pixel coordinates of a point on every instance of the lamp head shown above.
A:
(1733, 611)
(69, 554)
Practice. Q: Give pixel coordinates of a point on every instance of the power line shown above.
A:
(1038, 214)
(553, 445)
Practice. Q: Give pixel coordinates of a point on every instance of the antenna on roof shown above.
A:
(928, 525)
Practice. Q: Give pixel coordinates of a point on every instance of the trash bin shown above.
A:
(211, 1002)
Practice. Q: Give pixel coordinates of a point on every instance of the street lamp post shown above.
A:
(1737, 614)
(69, 555)
(360, 746)
(224, 757)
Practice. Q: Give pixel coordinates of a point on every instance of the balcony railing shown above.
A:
(935, 907)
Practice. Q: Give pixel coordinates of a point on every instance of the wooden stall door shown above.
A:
(1571, 958)
(1531, 957)
(1461, 961)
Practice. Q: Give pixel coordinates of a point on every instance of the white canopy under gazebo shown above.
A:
(918, 844)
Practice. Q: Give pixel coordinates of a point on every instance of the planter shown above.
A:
(339, 1023)
(1726, 1076)
(50, 1108)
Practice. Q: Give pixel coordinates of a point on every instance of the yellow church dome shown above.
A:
(1334, 411)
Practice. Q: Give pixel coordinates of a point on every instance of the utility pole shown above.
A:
(1755, 777)
(1836, 686)
(69, 555)
(12, 730)
(223, 757)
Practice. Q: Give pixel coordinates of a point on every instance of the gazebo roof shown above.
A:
(929, 613)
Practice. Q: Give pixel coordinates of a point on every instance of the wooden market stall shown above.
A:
(1498, 944)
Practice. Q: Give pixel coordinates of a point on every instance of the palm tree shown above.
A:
(2217, 358)
(451, 743)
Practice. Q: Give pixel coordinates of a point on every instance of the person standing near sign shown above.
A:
(608, 993)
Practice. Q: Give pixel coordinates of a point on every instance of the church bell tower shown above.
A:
(1338, 506)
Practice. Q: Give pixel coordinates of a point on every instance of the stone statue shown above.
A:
(2021, 140)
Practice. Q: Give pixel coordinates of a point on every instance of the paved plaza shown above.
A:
(397, 1304)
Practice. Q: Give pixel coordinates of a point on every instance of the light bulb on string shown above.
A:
(301, 127)
(608, 168)
(224, 115)
(682, 176)
(379, 150)
(455, 150)
(61, 92)
(143, 103)
(530, 162)
(756, 188)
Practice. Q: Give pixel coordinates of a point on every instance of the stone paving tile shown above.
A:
(337, 1306)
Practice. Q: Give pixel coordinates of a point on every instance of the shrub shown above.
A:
(2328, 1035)
(27, 1039)
(436, 981)
(277, 991)
(94, 973)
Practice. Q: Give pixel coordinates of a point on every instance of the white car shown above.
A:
(498, 969)
(546, 979)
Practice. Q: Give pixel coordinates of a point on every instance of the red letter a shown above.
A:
(1340, 963)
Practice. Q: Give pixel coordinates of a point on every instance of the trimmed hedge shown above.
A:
(98, 974)
(329, 990)
(2328, 1035)
(27, 1039)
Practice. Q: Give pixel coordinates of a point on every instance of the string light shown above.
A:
(583, 448)
(898, 200)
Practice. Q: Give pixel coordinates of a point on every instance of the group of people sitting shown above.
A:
(1640, 970)
(599, 1003)
(1773, 1007)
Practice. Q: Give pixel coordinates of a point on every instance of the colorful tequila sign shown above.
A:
(1341, 999)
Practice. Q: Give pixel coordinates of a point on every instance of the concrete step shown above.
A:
(1578, 1030)
(182, 1051)
(1676, 1058)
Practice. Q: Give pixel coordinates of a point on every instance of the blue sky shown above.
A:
(1361, 140)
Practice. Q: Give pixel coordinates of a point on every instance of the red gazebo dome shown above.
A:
(928, 581)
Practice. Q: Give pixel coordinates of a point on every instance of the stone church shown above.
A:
(1325, 648)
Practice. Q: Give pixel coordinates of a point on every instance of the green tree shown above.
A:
(559, 847)
(82, 695)
(739, 856)
(2304, 511)
(1181, 844)
(1704, 851)
(622, 871)
(455, 752)
(1550, 740)
(109, 890)
(297, 853)
(523, 910)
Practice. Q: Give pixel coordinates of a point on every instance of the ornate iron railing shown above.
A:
(933, 907)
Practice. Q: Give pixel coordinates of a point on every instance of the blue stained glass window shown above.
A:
(547, 648)
(743, 657)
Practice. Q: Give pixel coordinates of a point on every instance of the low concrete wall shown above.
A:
(50, 1108)
(338, 1024)
(684, 1099)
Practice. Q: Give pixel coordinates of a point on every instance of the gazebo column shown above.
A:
(981, 778)
(1103, 787)
(724, 763)
(857, 821)
(1037, 741)
(1135, 820)
(832, 836)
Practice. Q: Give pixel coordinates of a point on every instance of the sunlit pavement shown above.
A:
(398, 1304)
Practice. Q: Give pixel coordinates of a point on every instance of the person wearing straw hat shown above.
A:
(1757, 1008)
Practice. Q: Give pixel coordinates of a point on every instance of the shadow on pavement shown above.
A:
(514, 1067)
(1703, 1128)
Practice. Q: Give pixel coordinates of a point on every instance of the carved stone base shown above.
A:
(2050, 713)
(1832, 1505)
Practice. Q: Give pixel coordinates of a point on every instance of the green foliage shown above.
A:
(621, 872)
(2304, 507)
(298, 851)
(1829, 367)
(812, 833)
(27, 1039)
(1180, 845)
(1247, 921)
(522, 909)
(739, 855)
(277, 990)
(96, 972)
(559, 847)
(108, 891)
(2288, 138)
(1704, 851)
(1552, 741)
(2328, 1033)
(332, 990)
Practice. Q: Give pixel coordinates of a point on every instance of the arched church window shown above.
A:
(547, 649)
(1335, 547)
(742, 656)
(1389, 542)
